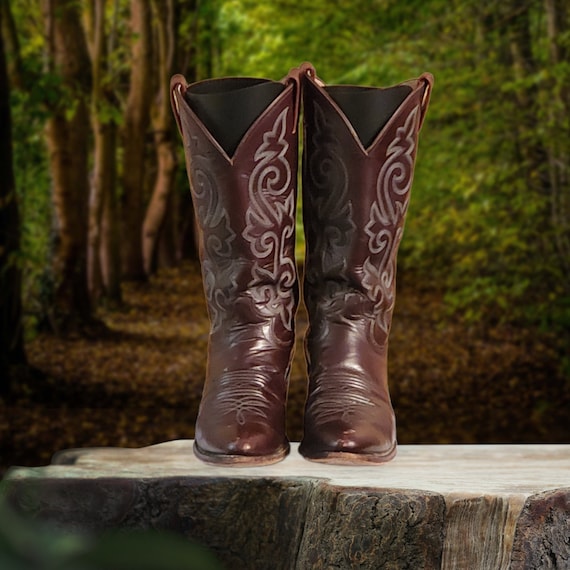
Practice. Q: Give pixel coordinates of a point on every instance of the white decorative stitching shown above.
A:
(338, 395)
(244, 393)
(385, 226)
(217, 237)
(271, 206)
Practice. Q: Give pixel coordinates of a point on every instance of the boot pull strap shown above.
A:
(294, 78)
(427, 78)
(309, 70)
(178, 87)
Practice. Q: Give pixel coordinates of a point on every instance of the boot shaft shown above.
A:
(240, 142)
(359, 152)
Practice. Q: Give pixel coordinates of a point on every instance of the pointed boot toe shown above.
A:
(349, 428)
(250, 448)
(343, 444)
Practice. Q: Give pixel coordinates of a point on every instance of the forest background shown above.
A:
(94, 196)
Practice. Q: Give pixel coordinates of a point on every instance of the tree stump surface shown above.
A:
(434, 506)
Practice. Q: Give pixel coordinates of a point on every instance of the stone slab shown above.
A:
(434, 506)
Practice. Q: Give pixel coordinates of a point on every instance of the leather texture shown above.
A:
(244, 198)
(355, 199)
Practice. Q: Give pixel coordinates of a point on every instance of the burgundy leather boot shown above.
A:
(241, 149)
(359, 152)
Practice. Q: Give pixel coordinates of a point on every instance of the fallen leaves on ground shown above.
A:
(140, 382)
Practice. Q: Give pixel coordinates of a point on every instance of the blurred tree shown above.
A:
(103, 250)
(558, 113)
(12, 353)
(134, 139)
(110, 231)
(67, 135)
(164, 17)
(512, 262)
(11, 45)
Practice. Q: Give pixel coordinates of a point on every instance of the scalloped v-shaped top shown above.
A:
(229, 107)
(368, 109)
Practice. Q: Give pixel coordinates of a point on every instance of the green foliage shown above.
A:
(34, 192)
(109, 113)
(31, 105)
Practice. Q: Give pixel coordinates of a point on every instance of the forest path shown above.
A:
(141, 383)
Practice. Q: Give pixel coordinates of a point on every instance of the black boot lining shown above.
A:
(368, 109)
(228, 107)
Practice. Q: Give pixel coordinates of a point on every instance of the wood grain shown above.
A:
(450, 507)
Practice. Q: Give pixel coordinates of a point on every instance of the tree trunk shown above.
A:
(558, 26)
(528, 123)
(104, 130)
(11, 341)
(167, 247)
(157, 209)
(531, 147)
(163, 135)
(95, 31)
(111, 236)
(110, 246)
(134, 135)
(67, 132)
(103, 192)
(440, 507)
(11, 46)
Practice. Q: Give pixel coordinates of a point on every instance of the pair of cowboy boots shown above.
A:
(241, 145)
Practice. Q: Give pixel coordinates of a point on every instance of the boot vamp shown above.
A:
(243, 405)
(242, 412)
(348, 407)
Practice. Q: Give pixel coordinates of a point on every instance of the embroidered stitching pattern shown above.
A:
(337, 396)
(272, 207)
(385, 226)
(217, 241)
(331, 226)
(243, 393)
